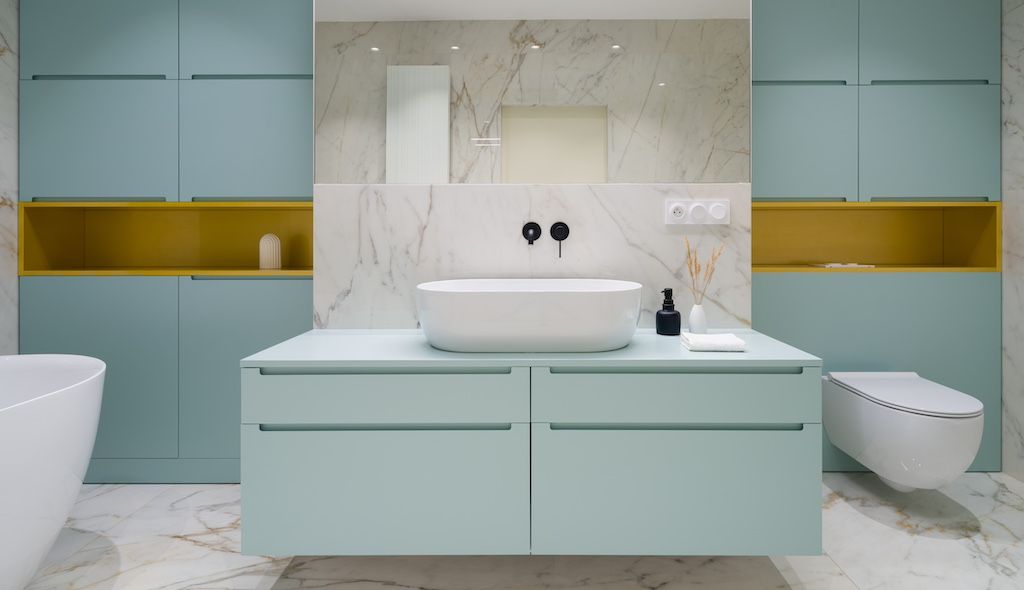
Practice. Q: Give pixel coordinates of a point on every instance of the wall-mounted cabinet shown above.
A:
(99, 139)
(804, 141)
(946, 326)
(246, 38)
(930, 141)
(130, 323)
(210, 239)
(73, 38)
(224, 320)
(904, 40)
(246, 139)
(804, 40)
(948, 237)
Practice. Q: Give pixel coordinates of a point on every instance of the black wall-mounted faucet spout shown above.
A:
(560, 231)
(531, 231)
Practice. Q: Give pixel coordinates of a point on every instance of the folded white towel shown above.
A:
(712, 342)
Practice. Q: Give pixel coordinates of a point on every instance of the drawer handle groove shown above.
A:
(251, 77)
(724, 427)
(383, 427)
(676, 371)
(99, 77)
(383, 371)
(799, 83)
(928, 82)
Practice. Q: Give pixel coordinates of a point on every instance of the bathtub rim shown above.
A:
(100, 366)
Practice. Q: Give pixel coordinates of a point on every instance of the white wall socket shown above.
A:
(707, 212)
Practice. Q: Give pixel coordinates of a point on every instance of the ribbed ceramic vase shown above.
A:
(270, 252)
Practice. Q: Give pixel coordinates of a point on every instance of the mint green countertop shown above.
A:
(377, 349)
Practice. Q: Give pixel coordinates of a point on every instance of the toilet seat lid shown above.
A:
(912, 393)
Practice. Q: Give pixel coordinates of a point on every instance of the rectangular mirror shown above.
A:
(570, 93)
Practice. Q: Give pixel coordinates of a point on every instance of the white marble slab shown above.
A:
(8, 176)
(1013, 237)
(695, 128)
(375, 243)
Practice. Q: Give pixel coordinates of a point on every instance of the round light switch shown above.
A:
(718, 211)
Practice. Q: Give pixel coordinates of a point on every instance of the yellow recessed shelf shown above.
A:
(216, 239)
(892, 236)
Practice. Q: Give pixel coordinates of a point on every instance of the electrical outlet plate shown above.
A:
(700, 212)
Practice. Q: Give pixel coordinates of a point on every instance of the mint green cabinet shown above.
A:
(804, 142)
(223, 321)
(90, 139)
(903, 40)
(246, 139)
(804, 40)
(131, 323)
(99, 38)
(929, 141)
(945, 326)
(668, 490)
(385, 490)
(246, 37)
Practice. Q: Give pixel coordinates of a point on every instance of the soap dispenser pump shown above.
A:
(667, 320)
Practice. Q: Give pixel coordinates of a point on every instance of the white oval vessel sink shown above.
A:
(529, 315)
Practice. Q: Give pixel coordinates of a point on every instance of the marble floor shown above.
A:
(142, 537)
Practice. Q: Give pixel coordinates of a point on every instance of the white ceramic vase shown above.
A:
(698, 321)
(270, 252)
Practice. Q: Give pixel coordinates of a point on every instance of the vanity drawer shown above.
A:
(388, 491)
(392, 397)
(785, 396)
(617, 491)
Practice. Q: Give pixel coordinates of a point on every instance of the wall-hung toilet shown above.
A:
(912, 432)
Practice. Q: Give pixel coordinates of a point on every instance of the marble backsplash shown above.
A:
(374, 243)
(8, 176)
(693, 128)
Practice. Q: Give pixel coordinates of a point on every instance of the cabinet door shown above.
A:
(930, 141)
(675, 491)
(99, 138)
(804, 40)
(895, 322)
(99, 38)
(930, 40)
(246, 139)
(131, 323)
(223, 321)
(246, 37)
(804, 141)
(386, 490)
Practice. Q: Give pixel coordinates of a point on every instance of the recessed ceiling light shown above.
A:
(455, 47)
(375, 49)
(616, 46)
(662, 84)
(535, 46)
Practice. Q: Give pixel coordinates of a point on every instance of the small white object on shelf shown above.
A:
(712, 342)
(843, 265)
(698, 321)
(270, 252)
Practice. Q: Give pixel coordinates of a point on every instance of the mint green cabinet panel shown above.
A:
(804, 40)
(804, 142)
(689, 398)
(246, 138)
(676, 492)
(99, 38)
(930, 141)
(246, 37)
(131, 323)
(386, 492)
(163, 471)
(945, 326)
(99, 138)
(223, 321)
(386, 396)
(930, 40)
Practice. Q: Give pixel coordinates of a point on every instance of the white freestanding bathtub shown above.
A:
(49, 411)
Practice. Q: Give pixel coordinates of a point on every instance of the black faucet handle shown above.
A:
(559, 231)
(532, 232)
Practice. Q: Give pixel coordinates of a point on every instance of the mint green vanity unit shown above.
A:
(374, 443)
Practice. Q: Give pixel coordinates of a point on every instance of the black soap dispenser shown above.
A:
(667, 320)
